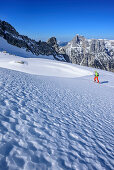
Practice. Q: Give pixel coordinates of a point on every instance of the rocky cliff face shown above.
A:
(44, 48)
(94, 53)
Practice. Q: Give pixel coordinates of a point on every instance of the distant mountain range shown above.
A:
(62, 43)
(98, 53)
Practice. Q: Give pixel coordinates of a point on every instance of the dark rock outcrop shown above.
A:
(38, 48)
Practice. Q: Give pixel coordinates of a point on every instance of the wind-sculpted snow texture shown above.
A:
(55, 123)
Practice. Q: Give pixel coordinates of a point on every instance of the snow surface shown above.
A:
(53, 121)
(41, 66)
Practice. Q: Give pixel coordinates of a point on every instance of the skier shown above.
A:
(96, 76)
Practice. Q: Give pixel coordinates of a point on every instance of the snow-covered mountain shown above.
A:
(98, 53)
(5, 47)
(39, 48)
(55, 117)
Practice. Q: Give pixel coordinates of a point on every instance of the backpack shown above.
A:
(96, 74)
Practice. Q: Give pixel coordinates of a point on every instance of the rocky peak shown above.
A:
(7, 28)
(77, 40)
(52, 41)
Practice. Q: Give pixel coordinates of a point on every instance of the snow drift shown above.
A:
(41, 66)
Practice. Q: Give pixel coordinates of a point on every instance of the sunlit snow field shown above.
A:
(53, 116)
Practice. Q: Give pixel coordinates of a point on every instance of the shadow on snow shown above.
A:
(103, 82)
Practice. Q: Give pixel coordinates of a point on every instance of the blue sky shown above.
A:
(42, 19)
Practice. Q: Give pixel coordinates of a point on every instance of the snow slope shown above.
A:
(41, 66)
(55, 122)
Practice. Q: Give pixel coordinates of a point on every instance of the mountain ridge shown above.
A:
(50, 47)
(97, 53)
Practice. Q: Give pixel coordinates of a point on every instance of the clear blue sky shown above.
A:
(41, 19)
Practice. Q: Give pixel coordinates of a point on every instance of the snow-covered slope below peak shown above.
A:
(11, 49)
(42, 66)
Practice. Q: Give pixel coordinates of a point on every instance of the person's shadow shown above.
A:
(103, 82)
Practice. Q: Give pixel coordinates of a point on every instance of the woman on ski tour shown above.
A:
(96, 77)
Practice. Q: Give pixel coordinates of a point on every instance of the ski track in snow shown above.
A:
(55, 123)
